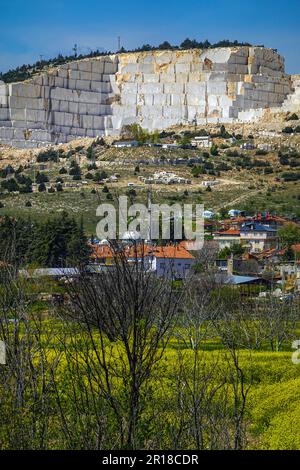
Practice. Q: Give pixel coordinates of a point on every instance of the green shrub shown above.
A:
(292, 117)
(42, 188)
(288, 130)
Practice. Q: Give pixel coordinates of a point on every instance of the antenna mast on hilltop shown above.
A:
(119, 43)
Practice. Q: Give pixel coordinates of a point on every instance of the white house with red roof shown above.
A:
(173, 262)
(227, 238)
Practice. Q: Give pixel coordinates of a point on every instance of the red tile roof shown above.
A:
(267, 253)
(101, 251)
(141, 251)
(177, 252)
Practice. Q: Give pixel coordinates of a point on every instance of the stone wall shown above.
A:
(98, 96)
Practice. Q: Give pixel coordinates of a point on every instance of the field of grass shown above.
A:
(66, 401)
(272, 409)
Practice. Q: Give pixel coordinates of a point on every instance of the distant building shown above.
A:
(173, 146)
(257, 237)
(202, 141)
(56, 273)
(227, 238)
(266, 147)
(164, 177)
(248, 146)
(113, 179)
(234, 213)
(206, 184)
(125, 144)
(102, 254)
(208, 214)
(172, 262)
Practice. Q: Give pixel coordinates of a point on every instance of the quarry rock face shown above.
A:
(157, 89)
(292, 103)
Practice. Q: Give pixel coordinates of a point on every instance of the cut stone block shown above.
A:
(4, 101)
(83, 85)
(98, 66)
(174, 88)
(4, 114)
(183, 68)
(85, 65)
(98, 122)
(151, 77)
(151, 88)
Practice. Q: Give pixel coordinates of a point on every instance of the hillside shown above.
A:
(264, 178)
(99, 96)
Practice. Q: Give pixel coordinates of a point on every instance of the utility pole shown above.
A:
(75, 48)
(150, 214)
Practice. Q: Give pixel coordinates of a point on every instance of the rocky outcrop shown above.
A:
(159, 89)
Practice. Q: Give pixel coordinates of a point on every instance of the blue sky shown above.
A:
(30, 28)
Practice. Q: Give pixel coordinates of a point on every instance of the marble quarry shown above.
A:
(157, 89)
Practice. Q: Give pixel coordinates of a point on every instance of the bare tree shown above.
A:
(211, 387)
(127, 315)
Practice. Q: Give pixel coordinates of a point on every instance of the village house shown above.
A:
(227, 238)
(257, 237)
(270, 220)
(164, 177)
(203, 141)
(102, 254)
(171, 262)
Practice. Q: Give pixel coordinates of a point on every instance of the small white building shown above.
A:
(208, 214)
(206, 184)
(233, 213)
(125, 144)
(164, 177)
(227, 238)
(257, 237)
(172, 262)
(173, 146)
(248, 146)
(113, 179)
(202, 141)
